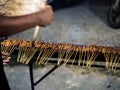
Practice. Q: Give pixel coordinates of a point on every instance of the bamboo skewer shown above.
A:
(36, 31)
(74, 58)
(82, 54)
(49, 57)
(67, 57)
(27, 51)
(115, 61)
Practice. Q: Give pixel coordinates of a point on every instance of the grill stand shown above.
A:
(33, 83)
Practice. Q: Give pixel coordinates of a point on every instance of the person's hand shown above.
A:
(45, 16)
(6, 58)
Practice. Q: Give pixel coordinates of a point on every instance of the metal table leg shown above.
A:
(33, 84)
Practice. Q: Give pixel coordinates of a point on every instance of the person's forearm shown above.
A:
(12, 25)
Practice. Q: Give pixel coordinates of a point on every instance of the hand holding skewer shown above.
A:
(44, 18)
(6, 58)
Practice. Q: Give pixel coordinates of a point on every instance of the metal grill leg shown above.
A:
(33, 84)
(47, 74)
(31, 75)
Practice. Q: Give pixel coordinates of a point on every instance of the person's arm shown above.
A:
(12, 25)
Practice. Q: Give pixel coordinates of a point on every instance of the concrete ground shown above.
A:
(83, 24)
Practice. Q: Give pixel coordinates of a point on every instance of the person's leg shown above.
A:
(3, 80)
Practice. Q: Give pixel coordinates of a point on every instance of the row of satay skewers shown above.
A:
(81, 54)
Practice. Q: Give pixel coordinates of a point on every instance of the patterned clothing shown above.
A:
(20, 7)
